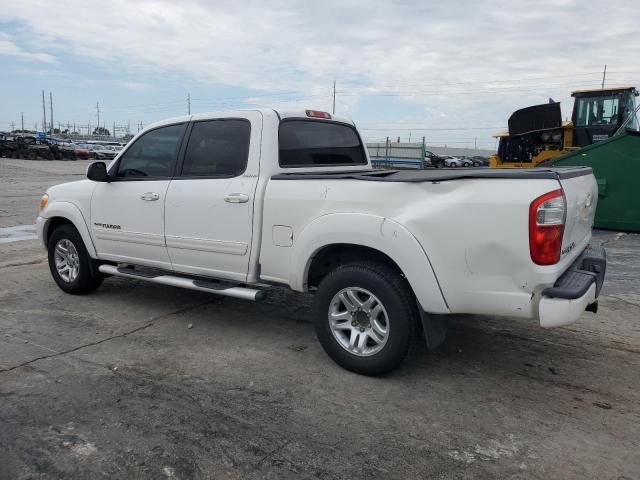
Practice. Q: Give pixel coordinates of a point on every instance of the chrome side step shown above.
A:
(219, 288)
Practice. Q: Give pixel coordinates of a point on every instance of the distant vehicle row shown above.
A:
(31, 148)
(441, 161)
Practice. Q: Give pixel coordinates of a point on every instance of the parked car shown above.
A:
(479, 161)
(433, 160)
(259, 198)
(466, 161)
(452, 162)
(73, 151)
(101, 152)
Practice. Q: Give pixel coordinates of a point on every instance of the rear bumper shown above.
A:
(576, 290)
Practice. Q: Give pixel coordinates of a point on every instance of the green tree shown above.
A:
(101, 131)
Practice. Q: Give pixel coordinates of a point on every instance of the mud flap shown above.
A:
(434, 329)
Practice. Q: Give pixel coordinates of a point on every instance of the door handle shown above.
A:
(150, 196)
(236, 198)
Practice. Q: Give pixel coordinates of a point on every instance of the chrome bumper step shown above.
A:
(219, 288)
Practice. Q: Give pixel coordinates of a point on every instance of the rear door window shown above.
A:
(217, 148)
(308, 143)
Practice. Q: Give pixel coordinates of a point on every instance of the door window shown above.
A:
(153, 155)
(217, 148)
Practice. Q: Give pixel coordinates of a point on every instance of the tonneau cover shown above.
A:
(439, 174)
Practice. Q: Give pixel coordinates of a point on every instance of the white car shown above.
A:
(455, 162)
(237, 203)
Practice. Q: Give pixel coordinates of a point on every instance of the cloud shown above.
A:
(466, 62)
(8, 47)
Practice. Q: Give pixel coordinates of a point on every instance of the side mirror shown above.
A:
(97, 172)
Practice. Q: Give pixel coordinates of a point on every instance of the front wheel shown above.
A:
(71, 266)
(365, 317)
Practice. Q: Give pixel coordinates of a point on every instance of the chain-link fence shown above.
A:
(397, 155)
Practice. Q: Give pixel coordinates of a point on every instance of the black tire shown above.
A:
(88, 278)
(397, 299)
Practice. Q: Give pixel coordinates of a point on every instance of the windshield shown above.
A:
(599, 110)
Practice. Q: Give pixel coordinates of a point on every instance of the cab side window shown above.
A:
(153, 155)
(217, 148)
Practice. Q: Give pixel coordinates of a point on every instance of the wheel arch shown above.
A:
(61, 213)
(357, 236)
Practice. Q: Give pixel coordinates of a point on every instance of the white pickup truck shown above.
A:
(240, 202)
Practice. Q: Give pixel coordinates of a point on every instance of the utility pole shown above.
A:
(604, 74)
(188, 104)
(475, 144)
(51, 112)
(98, 110)
(22, 118)
(114, 130)
(334, 97)
(44, 116)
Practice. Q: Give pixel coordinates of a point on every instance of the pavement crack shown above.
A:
(98, 342)
(270, 454)
(623, 300)
(31, 262)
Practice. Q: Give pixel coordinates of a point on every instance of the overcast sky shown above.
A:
(451, 71)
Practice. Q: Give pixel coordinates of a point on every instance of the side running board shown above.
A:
(219, 288)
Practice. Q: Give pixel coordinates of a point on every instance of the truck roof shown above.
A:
(601, 90)
(230, 113)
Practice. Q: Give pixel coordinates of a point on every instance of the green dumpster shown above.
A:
(616, 166)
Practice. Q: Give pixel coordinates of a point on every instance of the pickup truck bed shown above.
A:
(439, 175)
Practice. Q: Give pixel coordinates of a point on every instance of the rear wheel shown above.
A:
(71, 266)
(365, 317)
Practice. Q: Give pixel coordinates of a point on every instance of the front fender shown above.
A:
(72, 213)
(375, 232)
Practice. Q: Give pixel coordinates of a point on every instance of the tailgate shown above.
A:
(581, 195)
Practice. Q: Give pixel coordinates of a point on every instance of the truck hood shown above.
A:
(71, 190)
(536, 117)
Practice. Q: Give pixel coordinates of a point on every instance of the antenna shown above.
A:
(334, 97)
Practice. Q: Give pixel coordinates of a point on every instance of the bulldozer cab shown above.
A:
(598, 114)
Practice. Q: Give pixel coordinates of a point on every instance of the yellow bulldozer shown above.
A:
(537, 134)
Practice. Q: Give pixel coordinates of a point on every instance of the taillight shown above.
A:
(318, 114)
(546, 227)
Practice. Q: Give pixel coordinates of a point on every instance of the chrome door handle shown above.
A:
(150, 196)
(236, 198)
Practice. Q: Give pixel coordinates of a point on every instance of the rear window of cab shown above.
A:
(308, 143)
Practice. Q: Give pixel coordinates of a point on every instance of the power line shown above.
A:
(418, 129)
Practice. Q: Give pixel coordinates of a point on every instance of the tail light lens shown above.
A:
(546, 227)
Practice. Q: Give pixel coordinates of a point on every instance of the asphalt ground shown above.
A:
(143, 381)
